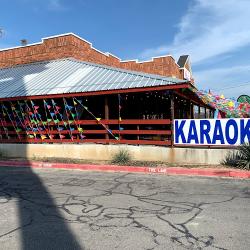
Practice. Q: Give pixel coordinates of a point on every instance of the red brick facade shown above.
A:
(70, 45)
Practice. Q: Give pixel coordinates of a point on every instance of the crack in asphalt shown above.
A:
(120, 202)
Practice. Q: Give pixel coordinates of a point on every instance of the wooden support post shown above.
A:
(106, 107)
(199, 112)
(211, 113)
(172, 118)
(191, 110)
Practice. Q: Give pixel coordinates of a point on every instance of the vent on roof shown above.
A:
(24, 42)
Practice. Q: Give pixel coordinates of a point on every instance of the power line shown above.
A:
(232, 87)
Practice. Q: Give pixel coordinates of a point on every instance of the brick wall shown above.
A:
(72, 46)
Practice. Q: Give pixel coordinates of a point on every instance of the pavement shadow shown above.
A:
(41, 224)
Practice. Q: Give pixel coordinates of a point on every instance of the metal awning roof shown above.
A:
(72, 76)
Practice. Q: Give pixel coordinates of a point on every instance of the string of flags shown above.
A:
(97, 119)
(46, 119)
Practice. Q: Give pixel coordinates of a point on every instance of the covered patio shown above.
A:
(69, 101)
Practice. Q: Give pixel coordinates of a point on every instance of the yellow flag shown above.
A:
(98, 119)
(120, 119)
(80, 129)
(230, 104)
(43, 137)
(75, 103)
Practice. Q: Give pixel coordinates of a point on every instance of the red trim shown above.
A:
(125, 121)
(205, 146)
(106, 92)
(106, 122)
(143, 132)
(130, 132)
(235, 173)
(102, 141)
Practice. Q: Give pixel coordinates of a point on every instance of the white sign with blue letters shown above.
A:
(233, 131)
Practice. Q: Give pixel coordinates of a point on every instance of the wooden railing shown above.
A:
(50, 128)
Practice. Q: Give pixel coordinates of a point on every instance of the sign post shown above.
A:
(172, 118)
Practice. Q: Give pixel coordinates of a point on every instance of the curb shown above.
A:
(210, 172)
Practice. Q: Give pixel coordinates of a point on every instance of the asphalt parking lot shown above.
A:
(71, 209)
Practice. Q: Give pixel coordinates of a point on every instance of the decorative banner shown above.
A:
(119, 114)
(234, 131)
(68, 108)
(32, 118)
(98, 119)
(5, 111)
(29, 126)
(2, 123)
(46, 105)
(39, 120)
(230, 107)
(80, 130)
(16, 112)
(44, 119)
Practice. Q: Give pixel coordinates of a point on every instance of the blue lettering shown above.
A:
(230, 140)
(192, 133)
(179, 132)
(218, 134)
(204, 131)
(244, 131)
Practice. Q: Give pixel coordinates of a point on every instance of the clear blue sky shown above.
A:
(215, 33)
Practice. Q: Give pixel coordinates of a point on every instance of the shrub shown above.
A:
(244, 156)
(240, 158)
(121, 157)
(231, 159)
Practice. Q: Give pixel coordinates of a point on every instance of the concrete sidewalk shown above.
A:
(212, 172)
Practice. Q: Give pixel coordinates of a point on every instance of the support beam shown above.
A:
(191, 110)
(172, 117)
(102, 92)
